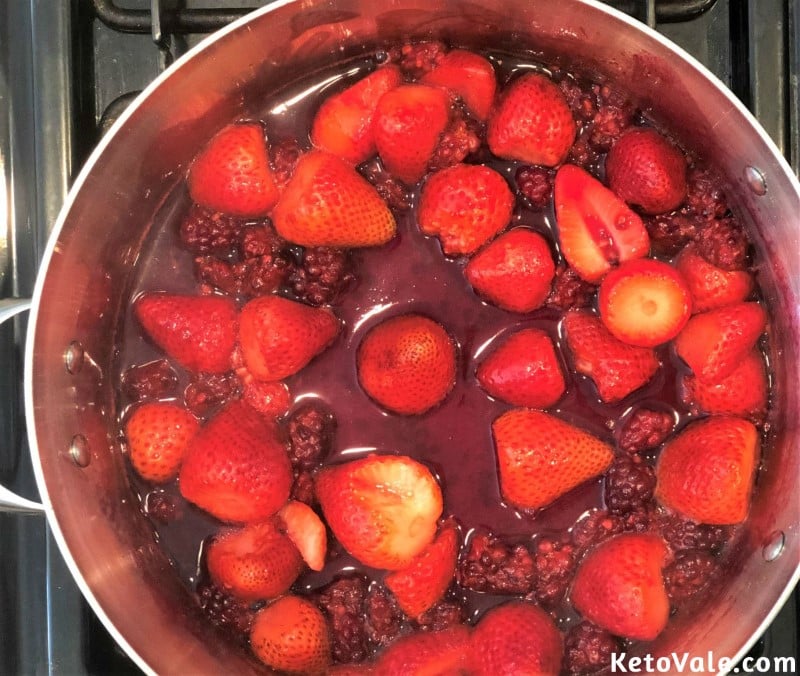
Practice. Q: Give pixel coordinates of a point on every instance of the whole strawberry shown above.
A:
(292, 635)
(383, 509)
(616, 368)
(714, 343)
(712, 287)
(407, 364)
(532, 122)
(328, 203)
(343, 123)
(465, 206)
(425, 580)
(199, 332)
(407, 125)
(435, 653)
(253, 563)
(516, 638)
(232, 173)
(524, 370)
(514, 272)
(158, 435)
(646, 170)
(540, 457)
(620, 587)
(596, 229)
(279, 337)
(237, 468)
(468, 75)
(706, 472)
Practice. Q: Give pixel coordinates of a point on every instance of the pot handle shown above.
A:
(11, 502)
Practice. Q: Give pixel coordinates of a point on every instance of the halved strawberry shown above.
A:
(516, 638)
(532, 122)
(523, 370)
(279, 336)
(712, 287)
(595, 227)
(158, 435)
(232, 173)
(646, 170)
(706, 472)
(616, 368)
(714, 343)
(741, 393)
(237, 467)
(540, 457)
(468, 75)
(424, 581)
(199, 332)
(383, 509)
(292, 635)
(514, 271)
(431, 653)
(465, 206)
(408, 124)
(343, 123)
(644, 302)
(306, 530)
(328, 203)
(253, 563)
(407, 364)
(620, 587)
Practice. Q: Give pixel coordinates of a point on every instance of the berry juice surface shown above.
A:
(409, 274)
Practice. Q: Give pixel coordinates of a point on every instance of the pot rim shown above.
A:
(108, 139)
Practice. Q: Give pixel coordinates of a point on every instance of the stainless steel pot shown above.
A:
(87, 269)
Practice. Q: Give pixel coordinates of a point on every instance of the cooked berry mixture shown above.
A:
(419, 363)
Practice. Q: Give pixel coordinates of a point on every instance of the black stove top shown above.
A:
(67, 69)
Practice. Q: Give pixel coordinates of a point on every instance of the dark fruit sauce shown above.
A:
(409, 274)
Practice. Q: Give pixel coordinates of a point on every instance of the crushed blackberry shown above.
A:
(446, 613)
(581, 102)
(584, 155)
(535, 184)
(311, 429)
(323, 275)
(303, 488)
(554, 563)
(690, 572)
(644, 429)
(493, 566)
(594, 528)
(669, 233)
(342, 601)
(613, 117)
(461, 139)
(204, 231)
(285, 155)
(723, 242)
(704, 198)
(206, 391)
(569, 290)
(161, 506)
(262, 240)
(682, 534)
(149, 381)
(629, 484)
(391, 190)
(226, 612)
(383, 617)
(251, 277)
(588, 649)
(417, 59)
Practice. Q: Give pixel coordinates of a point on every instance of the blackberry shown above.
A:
(204, 231)
(209, 390)
(149, 381)
(723, 243)
(645, 429)
(226, 612)
(493, 566)
(444, 614)
(569, 290)
(323, 275)
(311, 431)
(461, 139)
(383, 617)
(690, 572)
(629, 484)
(417, 59)
(342, 601)
(535, 184)
(588, 648)
(682, 534)
(554, 563)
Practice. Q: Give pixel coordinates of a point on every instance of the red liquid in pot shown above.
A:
(409, 274)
